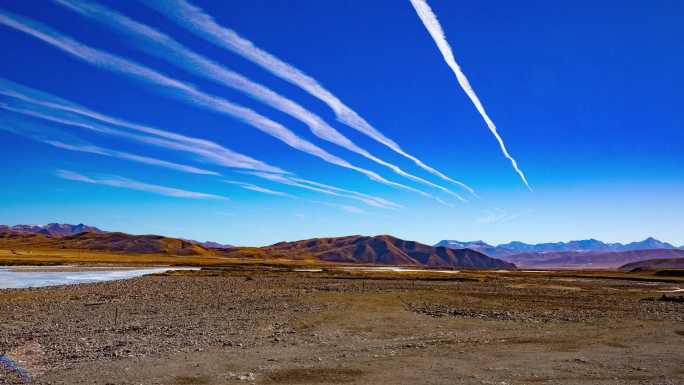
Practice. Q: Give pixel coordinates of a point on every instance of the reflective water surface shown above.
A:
(23, 277)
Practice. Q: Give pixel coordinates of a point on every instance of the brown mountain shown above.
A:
(588, 260)
(655, 264)
(382, 250)
(110, 242)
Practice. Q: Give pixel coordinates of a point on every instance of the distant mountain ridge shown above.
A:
(587, 245)
(581, 254)
(590, 259)
(65, 229)
(213, 245)
(53, 229)
(483, 247)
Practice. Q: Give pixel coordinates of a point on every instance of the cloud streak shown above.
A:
(166, 48)
(49, 107)
(495, 216)
(132, 157)
(130, 184)
(38, 134)
(433, 26)
(44, 106)
(199, 22)
(184, 92)
(226, 159)
(347, 208)
(327, 189)
(253, 187)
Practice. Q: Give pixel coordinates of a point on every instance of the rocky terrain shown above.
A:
(243, 325)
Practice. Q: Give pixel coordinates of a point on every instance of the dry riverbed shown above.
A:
(267, 326)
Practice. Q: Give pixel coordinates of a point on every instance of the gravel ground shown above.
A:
(267, 327)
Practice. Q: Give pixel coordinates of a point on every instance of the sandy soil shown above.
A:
(279, 327)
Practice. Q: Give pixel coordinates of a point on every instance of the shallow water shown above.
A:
(17, 278)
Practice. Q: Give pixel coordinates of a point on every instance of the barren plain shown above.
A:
(249, 324)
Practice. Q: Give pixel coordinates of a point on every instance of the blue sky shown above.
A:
(586, 97)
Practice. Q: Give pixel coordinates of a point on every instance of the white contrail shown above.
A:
(184, 92)
(431, 23)
(120, 182)
(326, 189)
(199, 22)
(206, 149)
(162, 46)
(381, 201)
(36, 97)
(225, 158)
(128, 156)
(253, 187)
(186, 144)
(44, 135)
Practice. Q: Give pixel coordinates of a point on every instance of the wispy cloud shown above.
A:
(199, 22)
(208, 150)
(381, 201)
(226, 158)
(433, 26)
(347, 208)
(162, 46)
(49, 107)
(493, 216)
(120, 182)
(132, 157)
(267, 173)
(326, 189)
(253, 187)
(184, 92)
(70, 175)
(46, 135)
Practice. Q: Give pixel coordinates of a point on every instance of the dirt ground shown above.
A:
(253, 326)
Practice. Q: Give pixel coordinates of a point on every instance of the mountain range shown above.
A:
(381, 250)
(53, 229)
(356, 249)
(582, 254)
(587, 245)
(589, 259)
(64, 230)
